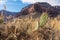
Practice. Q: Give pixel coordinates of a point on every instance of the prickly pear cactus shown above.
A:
(43, 19)
(1, 21)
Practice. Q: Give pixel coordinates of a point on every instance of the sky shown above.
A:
(17, 5)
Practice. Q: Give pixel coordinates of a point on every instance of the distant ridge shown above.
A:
(7, 13)
(40, 7)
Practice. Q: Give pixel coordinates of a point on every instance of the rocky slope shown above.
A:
(38, 8)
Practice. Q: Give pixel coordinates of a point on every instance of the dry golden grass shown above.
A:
(28, 29)
(55, 23)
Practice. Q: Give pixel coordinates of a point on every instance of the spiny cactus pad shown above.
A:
(43, 19)
(1, 21)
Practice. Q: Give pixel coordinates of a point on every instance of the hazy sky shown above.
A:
(17, 5)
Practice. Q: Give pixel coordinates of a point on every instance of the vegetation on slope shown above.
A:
(29, 29)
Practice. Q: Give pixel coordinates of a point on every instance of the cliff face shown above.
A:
(39, 8)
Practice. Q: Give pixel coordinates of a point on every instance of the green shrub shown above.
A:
(43, 19)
